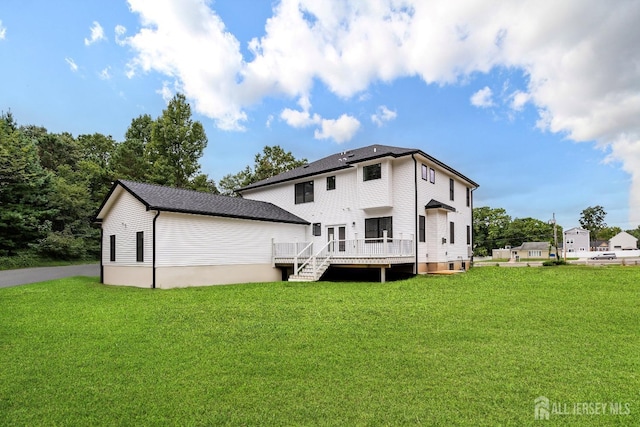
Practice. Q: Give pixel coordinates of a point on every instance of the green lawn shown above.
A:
(469, 349)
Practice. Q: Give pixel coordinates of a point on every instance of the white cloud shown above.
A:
(120, 31)
(72, 64)
(518, 100)
(299, 119)
(166, 92)
(97, 34)
(105, 74)
(382, 115)
(579, 58)
(3, 31)
(187, 41)
(340, 130)
(482, 98)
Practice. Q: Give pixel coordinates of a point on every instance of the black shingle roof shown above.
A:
(347, 159)
(157, 197)
(434, 204)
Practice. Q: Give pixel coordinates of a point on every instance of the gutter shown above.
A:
(415, 210)
(153, 267)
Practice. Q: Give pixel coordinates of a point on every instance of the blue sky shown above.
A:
(536, 101)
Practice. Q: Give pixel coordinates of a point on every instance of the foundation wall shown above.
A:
(205, 275)
(141, 277)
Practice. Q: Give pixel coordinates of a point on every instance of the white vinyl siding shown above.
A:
(393, 195)
(124, 220)
(375, 193)
(198, 240)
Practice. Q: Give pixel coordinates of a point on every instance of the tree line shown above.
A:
(493, 228)
(51, 184)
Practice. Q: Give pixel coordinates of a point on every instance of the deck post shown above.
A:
(383, 274)
(273, 252)
(356, 243)
(384, 243)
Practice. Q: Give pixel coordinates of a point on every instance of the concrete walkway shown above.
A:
(24, 276)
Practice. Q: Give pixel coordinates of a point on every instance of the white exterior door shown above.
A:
(339, 233)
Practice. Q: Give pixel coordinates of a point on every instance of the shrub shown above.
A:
(553, 262)
(61, 245)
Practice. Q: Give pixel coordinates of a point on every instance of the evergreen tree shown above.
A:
(24, 190)
(177, 144)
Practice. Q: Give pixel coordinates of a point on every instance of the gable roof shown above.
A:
(624, 235)
(534, 246)
(347, 159)
(169, 199)
(576, 230)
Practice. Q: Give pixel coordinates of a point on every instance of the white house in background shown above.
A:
(576, 239)
(376, 207)
(623, 241)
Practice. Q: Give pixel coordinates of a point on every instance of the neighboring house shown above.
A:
(526, 250)
(374, 207)
(600, 245)
(354, 197)
(623, 241)
(161, 237)
(576, 240)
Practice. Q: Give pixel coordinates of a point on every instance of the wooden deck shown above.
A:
(373, 253)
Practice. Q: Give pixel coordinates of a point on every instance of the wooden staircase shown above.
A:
(313, 268)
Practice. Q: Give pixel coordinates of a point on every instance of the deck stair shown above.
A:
(312, 269)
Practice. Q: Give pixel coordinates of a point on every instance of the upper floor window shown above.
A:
(432, 175)
(317, 229)
(468, 196)
(422, 229)
(451, 189)
(468, 234)
(331, 182)
(304, 192)
(372, 172)
(425, 172)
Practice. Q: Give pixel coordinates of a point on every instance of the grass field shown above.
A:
(470, 349)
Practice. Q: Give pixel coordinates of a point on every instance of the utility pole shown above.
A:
(555, 234)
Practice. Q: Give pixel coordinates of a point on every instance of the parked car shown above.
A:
(606, 255)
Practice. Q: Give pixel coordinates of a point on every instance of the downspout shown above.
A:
(472, 236)
(153, 267)
(101, 254)
(415, 211)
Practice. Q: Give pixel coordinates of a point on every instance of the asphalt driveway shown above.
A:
(40, 274)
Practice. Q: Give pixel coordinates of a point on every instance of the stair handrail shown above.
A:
(314, 258)
(295, 259)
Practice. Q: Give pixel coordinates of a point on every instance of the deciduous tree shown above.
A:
(592, 219)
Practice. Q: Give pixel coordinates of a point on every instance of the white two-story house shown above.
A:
(376, 207)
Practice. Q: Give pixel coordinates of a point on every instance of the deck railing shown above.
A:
(353, 248)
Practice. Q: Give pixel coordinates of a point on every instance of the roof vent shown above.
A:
(374, 149)
(306, 166)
